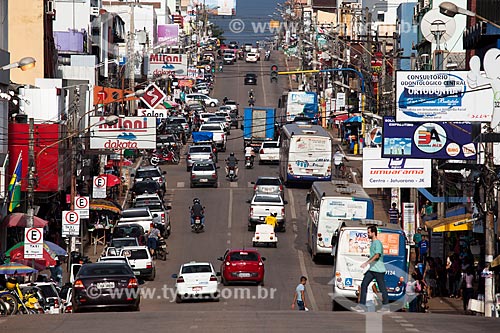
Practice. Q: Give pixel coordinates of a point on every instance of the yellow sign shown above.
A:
(273, 24)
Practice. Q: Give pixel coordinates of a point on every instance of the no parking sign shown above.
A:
(70, 223)
(99, 187)
(33, 243)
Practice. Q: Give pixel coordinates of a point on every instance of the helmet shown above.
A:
(231, 154)
(196, 201)
(11, 283)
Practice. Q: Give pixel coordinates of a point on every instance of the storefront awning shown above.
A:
(453, 223)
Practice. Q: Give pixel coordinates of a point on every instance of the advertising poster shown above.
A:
(359, 242)
(127, 133)
(438, 140)
(168, 34)
(159, 64)
(442, 96)
(390, 242)
(379, 172)
(346, 209)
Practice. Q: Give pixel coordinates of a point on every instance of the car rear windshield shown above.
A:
(270, 145)
(196, 269)
(217, 119)
(104, 270)
(199, 149)
(48, 291)
(246, 256)
(127, 231)
(203, 167)
(135, 213)
(124, 242)
(136, 254)
(267, 198)
(210, 128)
(147, 174)
(153, 205)
(268, 181)
(146, 187)
(177, 121)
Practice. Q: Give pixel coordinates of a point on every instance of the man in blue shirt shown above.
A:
(299, 296)
(423, 247)
(375, 271)
(394, 214)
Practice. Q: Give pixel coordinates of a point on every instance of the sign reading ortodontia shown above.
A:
(443, 96)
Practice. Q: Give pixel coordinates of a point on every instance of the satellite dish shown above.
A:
(436, 27)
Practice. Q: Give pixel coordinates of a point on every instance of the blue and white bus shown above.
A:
(328, 204)
(306, 153)
(352, 248)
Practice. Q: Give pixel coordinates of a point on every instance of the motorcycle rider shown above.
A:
(231, 162)
(249, 152)
(197, 210)
(251, 101)
(251, 94)
(225, 99)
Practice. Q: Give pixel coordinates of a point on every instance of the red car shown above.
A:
(242, 265)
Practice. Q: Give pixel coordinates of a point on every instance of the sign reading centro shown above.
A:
(127, 133)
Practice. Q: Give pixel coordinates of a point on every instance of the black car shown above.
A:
(146, 186)
(104, 285)
(234, 119)
(128, 231)
(250, 79)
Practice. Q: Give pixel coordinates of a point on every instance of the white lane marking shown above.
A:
(300, 255)
(412, 329)
(401, 320)
(180, 184)
(263, 85)
(292, 204)
(234, 184)
(394, 317)
(228, 242)
(406, 325)
(230, 210)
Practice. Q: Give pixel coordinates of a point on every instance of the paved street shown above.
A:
(247, 308)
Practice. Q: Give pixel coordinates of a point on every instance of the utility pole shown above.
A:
(31, 175)
(72, 146)
(131, 55)
(489, 232)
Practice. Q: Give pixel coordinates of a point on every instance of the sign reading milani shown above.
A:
(127, 133)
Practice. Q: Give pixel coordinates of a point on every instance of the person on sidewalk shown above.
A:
(468, 290)
(412, 291)
(299, 297)
(423, 247)
(375, 271)
(394, 214)
(417, 237)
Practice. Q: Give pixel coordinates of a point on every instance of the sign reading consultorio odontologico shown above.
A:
(437, 140)
(441, 96)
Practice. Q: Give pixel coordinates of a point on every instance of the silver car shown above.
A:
(269, 185)
(204, 173)
(198, 153)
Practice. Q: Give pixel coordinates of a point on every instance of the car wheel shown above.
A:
(191, 185)
(153, 275)
(216, 184)
(178, 299)
(254, 244)
(136, 308)
(275, 244)
(224, 282)
(250, 228)
(212, 104)
(261, 283)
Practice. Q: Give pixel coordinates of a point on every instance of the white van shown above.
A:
(329, 202)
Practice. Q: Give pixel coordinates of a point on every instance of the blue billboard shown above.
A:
(437, 140)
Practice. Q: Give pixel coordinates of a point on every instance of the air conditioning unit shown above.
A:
(50, 9)
(94, 11)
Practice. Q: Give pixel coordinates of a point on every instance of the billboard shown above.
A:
(396, 172)
(218, 7)
(168, 34)
(168, 64)
(127, 133)
(441, 96)
(438, 140)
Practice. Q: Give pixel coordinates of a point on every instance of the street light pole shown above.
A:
(30, 212)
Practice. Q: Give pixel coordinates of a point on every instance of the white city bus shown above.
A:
(306, 153)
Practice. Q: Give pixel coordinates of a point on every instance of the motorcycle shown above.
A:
(165, 156)
(267, 57)
(197, 226)
(161, 249)
(249, 162)
(232, 173)
(251, 102)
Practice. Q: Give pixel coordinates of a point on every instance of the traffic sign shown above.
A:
(99, 187)
(33, 243)
(153, 96)
(70, 223)
(82, 205)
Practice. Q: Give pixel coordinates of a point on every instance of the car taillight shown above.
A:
(214, 175)
(213, 278)
(68, 309)
(149, 265)
(282, 211)
(281, 188)
(214, 150)
(56, 303)
(193, 176)
(222, 136)
(261, 264)
(255, 188)
(162, 217)
(180, 279)
(160, 180)
(132, 283)
(251, 211)
(78, 284)
(261, 151)
(188, 156)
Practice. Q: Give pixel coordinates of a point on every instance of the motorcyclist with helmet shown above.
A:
(225, 100)
(197, 210)
(231, 162)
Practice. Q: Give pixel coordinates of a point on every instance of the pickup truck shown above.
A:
(262, 205)
(219, 136)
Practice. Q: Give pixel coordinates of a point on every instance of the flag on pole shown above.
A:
(14, 194)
